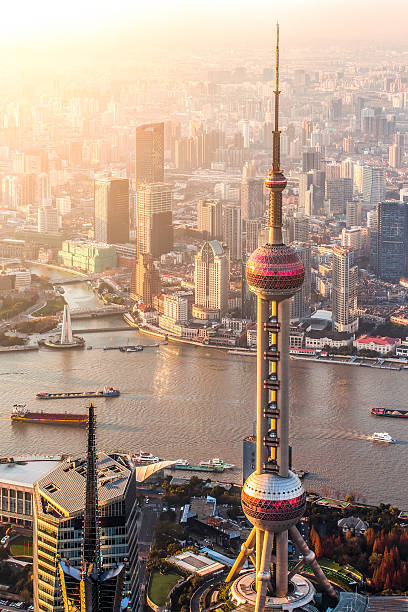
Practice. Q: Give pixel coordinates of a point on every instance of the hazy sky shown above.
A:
(248, 22)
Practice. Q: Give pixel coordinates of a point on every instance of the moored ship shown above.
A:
(106, 392)
(21, 414)
(213, 465)
(142, 458)
(390, 412)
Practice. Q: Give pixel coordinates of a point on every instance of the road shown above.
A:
(387, 604)
(149, 515)
(195, 600)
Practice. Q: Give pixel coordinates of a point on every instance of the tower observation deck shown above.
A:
(273, 498)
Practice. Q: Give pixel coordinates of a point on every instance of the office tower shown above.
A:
(232, 230)
(209, 219)
(353, 213)
(307, 129)
(112, 210)
(10, 192)
(44, 188)
(338, 191)
(392, 236)
(314, 201)
(63, 205)
(371, 122)
(352, 239)
(395, 156)
(154, 219)
(305, 180)
(301, 228)
(373, 184)
(150, 153)
(28, 188)
(252, 198)
(248, 308)
(344, 293)
(358, 177)
(211, 277)
(84, 508)
(300, 303)
(48, 220)
(310, 160)
(273, 498)
(145, 281)
(75, 153)
(252, 228)
(347, 168)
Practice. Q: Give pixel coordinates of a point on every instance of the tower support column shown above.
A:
(283, 393)
(262, 370)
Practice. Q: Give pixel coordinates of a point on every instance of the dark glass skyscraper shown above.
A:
(392, 257)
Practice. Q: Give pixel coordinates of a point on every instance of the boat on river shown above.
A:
(106, 392)
(382, 437)
(21, 414)
(398, 413)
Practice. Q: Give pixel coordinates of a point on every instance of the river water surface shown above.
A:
(195, 403)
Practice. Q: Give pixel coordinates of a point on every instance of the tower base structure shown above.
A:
(301, 592)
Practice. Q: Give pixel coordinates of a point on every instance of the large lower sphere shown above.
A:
(273, 502)
(275, 271)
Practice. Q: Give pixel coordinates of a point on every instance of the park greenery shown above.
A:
(13, 305)
(37, 326)
(52, 307)
(6, 340)
(381, 554)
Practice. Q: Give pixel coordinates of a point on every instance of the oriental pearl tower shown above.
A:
(273, 498)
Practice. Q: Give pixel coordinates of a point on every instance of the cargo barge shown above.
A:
(106, 392)
(390, 412)
(21, 414)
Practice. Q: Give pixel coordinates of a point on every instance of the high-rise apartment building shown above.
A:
(211, 277)
(154, 219)
(112, 210)
(252, 228)
(392, 240)
(48, 220)
(209, 219)
(63, 205)
(150, 153)
(232, 230)
(373, 184)
(338, 192)
(353, 213)
(253, 202)
(301, 229)
(310, 160)
(344, 293)
(300, 303)
(145, 281)
(395, 156)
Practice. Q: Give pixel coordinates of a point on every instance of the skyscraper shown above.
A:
(145, 281)
(209, 219)
(232, 230)
(300, 303)
(112, 210)
(150, 153)
(47, 220)
(344, 293)
(353, 213)
(373, 184)
(252, 198)
(338, 192)
(154, 219)
(252, 229)
(82, 507)
(392, 236)
(310, 160)
(211, 277)
(273, 498)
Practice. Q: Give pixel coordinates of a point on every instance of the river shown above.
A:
(193, 403)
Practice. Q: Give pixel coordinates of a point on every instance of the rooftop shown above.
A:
(25, 473)
(382, 341)
(65, 485)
